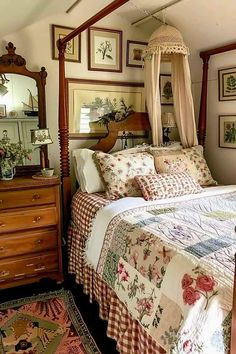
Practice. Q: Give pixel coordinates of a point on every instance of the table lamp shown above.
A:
(168, 122)
(41, 138)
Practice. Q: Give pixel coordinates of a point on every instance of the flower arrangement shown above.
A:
(110, 110)
(12, 154)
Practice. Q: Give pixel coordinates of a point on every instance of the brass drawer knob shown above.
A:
(4, 273)
(37, 218)
(2, 249)
(39, 267)
(35, 197)
(1, 201)
(38, 242)
(2, 224)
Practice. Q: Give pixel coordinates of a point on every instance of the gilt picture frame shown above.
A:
(227, 84)
(89, 100)
(134, 52)
(73, 47)
(227, 131)
(166, 94)
(104, 49)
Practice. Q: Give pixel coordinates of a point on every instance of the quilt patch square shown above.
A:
(203, 248)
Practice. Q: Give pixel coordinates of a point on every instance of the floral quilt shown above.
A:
(173, 265)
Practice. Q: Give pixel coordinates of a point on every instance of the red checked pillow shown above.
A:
(167, 185)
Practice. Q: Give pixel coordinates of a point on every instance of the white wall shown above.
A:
(34, 44)
(221, 161)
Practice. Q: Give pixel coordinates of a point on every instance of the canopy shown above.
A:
(166, 44)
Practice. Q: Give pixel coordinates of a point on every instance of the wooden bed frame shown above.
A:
(135, 122)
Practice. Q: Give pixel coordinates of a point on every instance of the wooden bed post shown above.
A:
(63, 112)
(233, 323)
(205, 55)
(203, 104)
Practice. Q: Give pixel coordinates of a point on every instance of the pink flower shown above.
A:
(186, 281)
(205, 283)
(125, 276)
(120, 268)
(190, 295)
(187, 346)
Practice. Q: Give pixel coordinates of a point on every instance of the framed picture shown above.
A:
(73, 47)
(3, 112)
(91, 100)
(104, 49)
(227, 84)
(134, 52)
(227, 131)
(166, 89)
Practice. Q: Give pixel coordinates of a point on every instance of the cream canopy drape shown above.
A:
(166, 43)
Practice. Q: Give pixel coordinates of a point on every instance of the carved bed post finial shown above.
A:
(203, 104)
(10, 48)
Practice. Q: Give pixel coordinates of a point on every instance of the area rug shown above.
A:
(44, 324)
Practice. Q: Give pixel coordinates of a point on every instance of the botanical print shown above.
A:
(227, 128)
(166, 89)
(105, 50)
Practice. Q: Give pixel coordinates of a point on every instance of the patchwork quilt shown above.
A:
(172, 264)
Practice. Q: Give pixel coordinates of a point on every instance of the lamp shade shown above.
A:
(40, 137)
(168, 120)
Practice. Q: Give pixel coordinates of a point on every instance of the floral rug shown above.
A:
(44, 324)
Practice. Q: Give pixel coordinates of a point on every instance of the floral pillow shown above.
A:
(118, 172)
(167, 185)
(190, 159)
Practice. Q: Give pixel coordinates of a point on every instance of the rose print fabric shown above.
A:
(118, 172)
(167, 185)
(172, 265)
(190, 160)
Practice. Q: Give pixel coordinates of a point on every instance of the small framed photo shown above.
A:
(134, 52)
(104, 49)
(73, 47)
(166, 89)
(3, 112)
(227, 131)
(227, 84)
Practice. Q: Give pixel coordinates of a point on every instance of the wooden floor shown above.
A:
(89, 312)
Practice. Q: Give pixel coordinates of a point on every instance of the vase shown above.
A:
(7, 173)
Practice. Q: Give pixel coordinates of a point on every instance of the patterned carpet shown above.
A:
(44, 324)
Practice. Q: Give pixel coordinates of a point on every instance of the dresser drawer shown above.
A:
(29, 266)
(27, 242)
(27, 219)
(28, 197)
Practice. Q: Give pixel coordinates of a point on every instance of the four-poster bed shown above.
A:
(135, 335)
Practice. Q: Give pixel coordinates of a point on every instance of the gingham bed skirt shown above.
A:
(131, 338)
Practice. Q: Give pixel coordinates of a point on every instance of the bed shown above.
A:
(149, 248)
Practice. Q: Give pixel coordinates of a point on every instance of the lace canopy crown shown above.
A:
(167, 40)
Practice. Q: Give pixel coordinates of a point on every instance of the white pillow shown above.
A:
(86, 171)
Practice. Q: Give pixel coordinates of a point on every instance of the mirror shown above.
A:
(22, 105)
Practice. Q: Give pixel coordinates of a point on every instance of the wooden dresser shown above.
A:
(30, 231)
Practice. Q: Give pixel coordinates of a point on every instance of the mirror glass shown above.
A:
(19, 112)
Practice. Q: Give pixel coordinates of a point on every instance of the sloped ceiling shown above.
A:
(204, 24)
(17, 14)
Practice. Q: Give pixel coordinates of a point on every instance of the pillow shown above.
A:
(118, 172)
(167, 185)
(190, 159)
(86, 171)
(136, 149)
(172, 145)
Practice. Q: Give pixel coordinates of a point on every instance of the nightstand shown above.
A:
(30, 231)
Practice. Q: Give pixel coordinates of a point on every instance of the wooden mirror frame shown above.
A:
(12, 63)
